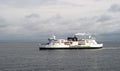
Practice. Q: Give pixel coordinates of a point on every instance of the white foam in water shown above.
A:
(111, 48)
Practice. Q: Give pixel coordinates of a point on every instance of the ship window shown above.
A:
(87, 41)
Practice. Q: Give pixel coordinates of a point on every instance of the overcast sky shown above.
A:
(38, 19)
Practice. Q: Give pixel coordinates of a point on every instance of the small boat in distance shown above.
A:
(71, 43)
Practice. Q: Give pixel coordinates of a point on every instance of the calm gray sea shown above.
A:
(28, 57)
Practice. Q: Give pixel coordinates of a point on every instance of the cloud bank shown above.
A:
(38, 19)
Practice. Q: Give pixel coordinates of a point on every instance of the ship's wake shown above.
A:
(111, 48)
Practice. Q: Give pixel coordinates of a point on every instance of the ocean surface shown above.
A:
(28, 57)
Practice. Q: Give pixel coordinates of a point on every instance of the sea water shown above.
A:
(28, 57)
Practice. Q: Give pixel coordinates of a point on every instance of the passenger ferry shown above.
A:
(71, 43)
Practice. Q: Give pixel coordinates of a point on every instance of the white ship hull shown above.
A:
(71, 47)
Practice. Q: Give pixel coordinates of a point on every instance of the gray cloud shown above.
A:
(46, 25)
(104, 18)
(42, 18)
(26, 3)
(1, 19)
(35, 3)
(114, 8)
(59, 25)
(2, 22)
(32, 16)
